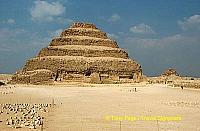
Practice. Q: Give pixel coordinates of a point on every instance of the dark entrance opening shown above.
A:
(88, 72)
(2, 83)
(57, 74)
(126, 77)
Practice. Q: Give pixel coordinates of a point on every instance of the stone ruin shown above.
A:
(169, 76)
(170, 72)
(82, 53)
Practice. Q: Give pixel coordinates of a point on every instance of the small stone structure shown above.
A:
(169, 76)
(170, 72)
(82, 53)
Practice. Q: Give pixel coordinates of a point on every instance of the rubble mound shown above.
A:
(82, 53)
(170, 72)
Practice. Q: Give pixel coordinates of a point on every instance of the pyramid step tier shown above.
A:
(33, 77)
(86, 51)
(84, 32)
(83, 40)
(83, 25)
(108, 65)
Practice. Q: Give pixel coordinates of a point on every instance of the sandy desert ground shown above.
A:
(83, 107)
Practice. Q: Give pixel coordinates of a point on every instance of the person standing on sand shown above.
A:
(182, 87)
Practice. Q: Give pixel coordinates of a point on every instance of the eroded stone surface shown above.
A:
(82, 53)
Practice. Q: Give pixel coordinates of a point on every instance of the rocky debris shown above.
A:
(169, 76)
(24, 115)
(182, 104)
(175, 81)
(190, 84)
(163, 79)
(80, 48)
(4, 78)
(4, 90)
(170, 72)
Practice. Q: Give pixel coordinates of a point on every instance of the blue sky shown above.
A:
(158, 34)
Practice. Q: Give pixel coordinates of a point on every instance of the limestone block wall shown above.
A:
(86, 52)
(113, 66)
(83, 25)
(53, 64)
(83, 41)
(84, 32)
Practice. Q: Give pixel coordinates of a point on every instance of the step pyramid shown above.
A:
(82, 53)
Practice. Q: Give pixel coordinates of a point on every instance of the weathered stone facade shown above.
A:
(82, 53)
